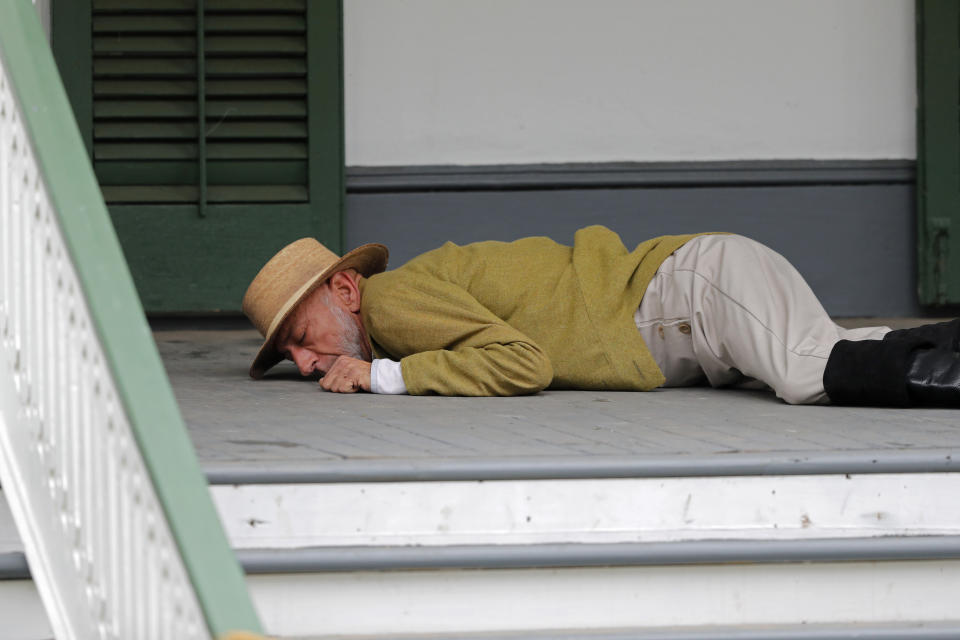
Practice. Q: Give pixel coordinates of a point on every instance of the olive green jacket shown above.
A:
(497, 318)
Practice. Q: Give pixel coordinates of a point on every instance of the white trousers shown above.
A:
(726, 310)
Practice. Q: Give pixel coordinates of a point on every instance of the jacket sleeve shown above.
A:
(451, 344)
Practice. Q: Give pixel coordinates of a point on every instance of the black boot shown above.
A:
(892, 373)
(869, 373)
(943, 335)
(933, 379)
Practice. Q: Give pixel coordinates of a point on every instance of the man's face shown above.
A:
(318, 332)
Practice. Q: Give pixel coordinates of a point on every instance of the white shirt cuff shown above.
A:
(386, 377)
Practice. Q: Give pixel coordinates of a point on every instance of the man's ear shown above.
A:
(343, 286)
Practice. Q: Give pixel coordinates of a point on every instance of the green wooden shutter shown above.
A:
(938, 151)
(215, 130)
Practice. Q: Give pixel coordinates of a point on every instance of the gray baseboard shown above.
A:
(848, 226)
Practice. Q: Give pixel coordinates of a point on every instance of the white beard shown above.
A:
(351, 339)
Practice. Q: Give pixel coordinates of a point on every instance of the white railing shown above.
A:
(100, 551)
(117, 523)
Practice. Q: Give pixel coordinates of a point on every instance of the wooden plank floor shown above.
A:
(285, 422)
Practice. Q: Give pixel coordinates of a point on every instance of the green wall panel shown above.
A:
(938, 151)
(182, 263)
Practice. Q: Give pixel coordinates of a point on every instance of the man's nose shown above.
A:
(304, 360)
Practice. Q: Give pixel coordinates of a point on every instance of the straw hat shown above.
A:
(288, 277)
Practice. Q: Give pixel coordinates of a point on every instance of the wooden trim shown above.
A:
(628, 175)
(325, 119)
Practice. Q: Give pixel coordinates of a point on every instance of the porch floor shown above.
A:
(285, 429)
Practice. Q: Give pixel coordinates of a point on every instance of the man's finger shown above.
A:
(346, 375)
(331, 382)
(348, 386)
(339, 383)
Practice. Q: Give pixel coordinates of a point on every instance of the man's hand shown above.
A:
(347, 375)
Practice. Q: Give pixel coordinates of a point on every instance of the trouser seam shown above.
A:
(664, 321)
(749, 313)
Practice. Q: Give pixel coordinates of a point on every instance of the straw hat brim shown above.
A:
(367, 259)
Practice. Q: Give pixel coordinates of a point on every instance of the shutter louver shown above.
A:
(146, 135)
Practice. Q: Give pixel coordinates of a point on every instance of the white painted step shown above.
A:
(589, 511)
(579, 599)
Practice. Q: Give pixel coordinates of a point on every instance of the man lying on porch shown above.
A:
(501, 319)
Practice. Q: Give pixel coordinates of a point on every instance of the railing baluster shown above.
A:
(128, 540)
(75, 422)
(19, 300)
(4, 206)
(92, 467)
(28, 347)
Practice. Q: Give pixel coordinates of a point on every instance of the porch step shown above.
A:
(631, 556)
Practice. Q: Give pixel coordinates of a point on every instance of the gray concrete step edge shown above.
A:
(906, 631)
(569, 467)
(342, 559)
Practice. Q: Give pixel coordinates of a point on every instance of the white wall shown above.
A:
(503, 81)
